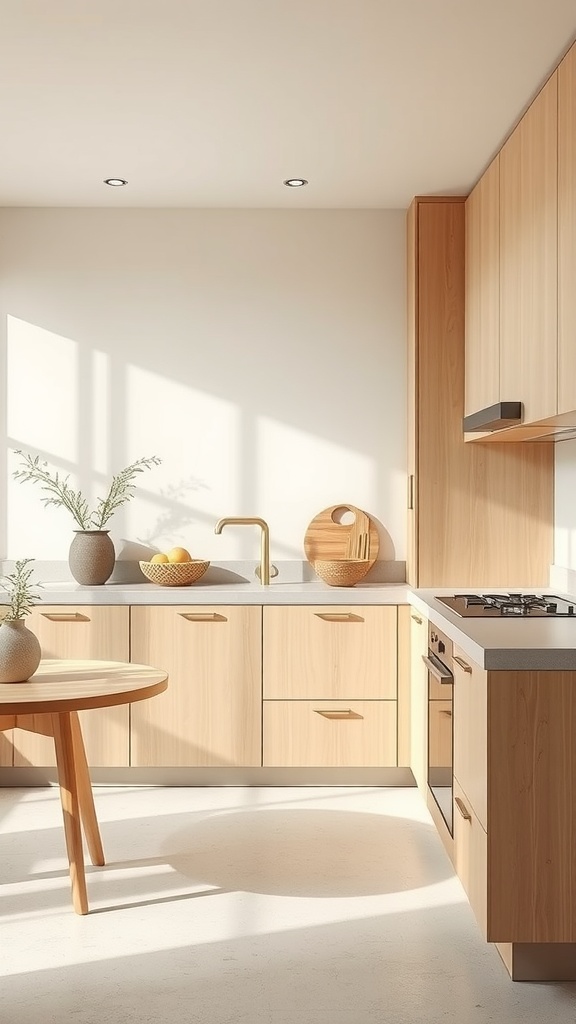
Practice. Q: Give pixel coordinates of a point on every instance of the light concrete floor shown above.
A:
(248, 906)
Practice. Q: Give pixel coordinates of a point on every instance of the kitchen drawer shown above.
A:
(343, 734)
(439, 733)
(471, 855)
(470, 732)
(330, 653)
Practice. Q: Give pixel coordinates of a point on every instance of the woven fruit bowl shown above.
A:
(174, 574)
(343, 572)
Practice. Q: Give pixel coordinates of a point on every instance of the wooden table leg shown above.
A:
(85, 795)
(67, 778)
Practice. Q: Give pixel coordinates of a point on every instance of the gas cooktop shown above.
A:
(507, 605)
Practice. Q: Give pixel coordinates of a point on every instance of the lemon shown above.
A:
(160, 557)
(178, 555)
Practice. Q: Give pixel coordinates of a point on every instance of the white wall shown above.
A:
(565, 505)
(260, 353)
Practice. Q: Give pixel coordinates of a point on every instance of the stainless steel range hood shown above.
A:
(495, 417)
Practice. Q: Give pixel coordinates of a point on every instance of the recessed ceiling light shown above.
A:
(295, 182)
(115, 181)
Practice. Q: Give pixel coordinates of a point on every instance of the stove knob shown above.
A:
(552, 608)
(441, 647)
(570, 609)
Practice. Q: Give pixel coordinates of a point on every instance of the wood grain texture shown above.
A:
(470, 734)
(482, 298)
(418, 700)
(7, 723)
(567, 233)
(296, 735)
(529, 259)
(327, 538)
(484, 512)
(211, 712)
(93, 632)
(532, 807)
(85, 795)
(471, 857)
(309, 653)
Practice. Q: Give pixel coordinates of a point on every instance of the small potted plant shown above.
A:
(92, 556)
(19, 649)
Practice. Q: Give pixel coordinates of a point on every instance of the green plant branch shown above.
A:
(20, 590)
(60, 493)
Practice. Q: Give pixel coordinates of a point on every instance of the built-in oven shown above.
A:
(438, 661)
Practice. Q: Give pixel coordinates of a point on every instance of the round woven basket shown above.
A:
(174, 574)
(343, 572)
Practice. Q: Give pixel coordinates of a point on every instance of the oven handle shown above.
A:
(437, 669)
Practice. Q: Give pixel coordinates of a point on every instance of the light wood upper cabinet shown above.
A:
(482, 297)
(567, 233)
(211, 712)
(528, 259)
(328, 652)
(86, 631)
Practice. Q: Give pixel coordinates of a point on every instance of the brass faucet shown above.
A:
(265, 547)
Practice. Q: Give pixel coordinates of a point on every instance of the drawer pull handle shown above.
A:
(417, 619)
(463, 809)
(463, 664)
(447, 713)
(336, 712)
(65, 616)
(203, 616)
(339, 616)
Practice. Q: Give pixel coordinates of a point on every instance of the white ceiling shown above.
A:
(212, 103)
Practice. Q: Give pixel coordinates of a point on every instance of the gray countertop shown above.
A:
(538, 644)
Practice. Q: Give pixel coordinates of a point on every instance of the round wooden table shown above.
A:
(48, 703)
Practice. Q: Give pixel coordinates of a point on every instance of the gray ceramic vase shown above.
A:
(19, 652)
(91, 557)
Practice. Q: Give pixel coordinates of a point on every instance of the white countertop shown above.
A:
(524, 644)
(303, 593)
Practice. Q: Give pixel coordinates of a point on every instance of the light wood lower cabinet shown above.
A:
(471, 855)
(418, 700)
(211, 712)
(470, 736)
(330, 686)
(341, 734)
(329, 652)
(85, 631)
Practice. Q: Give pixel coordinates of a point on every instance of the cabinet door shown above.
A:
(418, 699)
(471, 856)
(331, 653)
(334, 734)
(439, 733)
(567, 233)
(82, 632)
(482, 307)
(470, 732)
(211, 712)
(529, 259)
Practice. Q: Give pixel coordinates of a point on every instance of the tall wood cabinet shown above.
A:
(86, 631)
(481, 515)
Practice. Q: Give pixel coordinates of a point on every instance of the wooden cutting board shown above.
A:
(326, 538)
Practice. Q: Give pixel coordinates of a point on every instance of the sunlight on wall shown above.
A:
(297, 475)
(198, 437)
(564, 509)
(43, 415)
